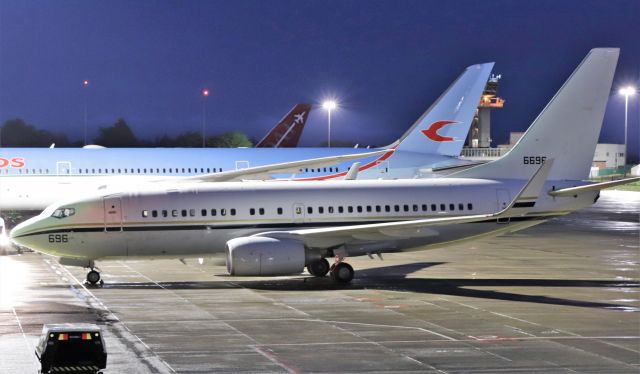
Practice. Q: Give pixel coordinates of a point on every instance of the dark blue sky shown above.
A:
(386, 61)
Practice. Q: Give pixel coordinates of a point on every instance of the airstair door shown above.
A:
(112, 213)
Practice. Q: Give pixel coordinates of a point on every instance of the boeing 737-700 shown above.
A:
(34, 178)
(279, 228)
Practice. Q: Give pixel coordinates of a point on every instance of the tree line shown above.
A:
(18, 133)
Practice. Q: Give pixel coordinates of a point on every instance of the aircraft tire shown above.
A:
(318, 268)
(342, 273)
(93, 277)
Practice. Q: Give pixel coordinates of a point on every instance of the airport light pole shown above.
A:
(626, 91)
(205, 94)
(85, 87)
(329, 105)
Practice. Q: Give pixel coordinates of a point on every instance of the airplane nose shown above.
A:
(22, 229)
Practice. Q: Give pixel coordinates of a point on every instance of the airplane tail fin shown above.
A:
(443, 128)
(566, 130)
(286, 133)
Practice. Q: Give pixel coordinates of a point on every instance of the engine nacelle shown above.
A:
(259, 255)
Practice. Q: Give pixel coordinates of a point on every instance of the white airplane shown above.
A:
(279, 228)
(33, 178)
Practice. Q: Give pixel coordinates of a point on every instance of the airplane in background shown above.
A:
(287, 132)
(32, 178)
(279, 228)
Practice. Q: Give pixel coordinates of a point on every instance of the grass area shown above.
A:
(627, 187)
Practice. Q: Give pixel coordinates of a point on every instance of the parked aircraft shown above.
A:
(34, 178)
(279, 228)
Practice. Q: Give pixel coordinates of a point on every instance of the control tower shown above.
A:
(480, 132)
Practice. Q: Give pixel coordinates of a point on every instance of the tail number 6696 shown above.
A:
(533, 160)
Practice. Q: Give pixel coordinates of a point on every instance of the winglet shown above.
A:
(353, 172)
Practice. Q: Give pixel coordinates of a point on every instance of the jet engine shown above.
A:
(264, 256)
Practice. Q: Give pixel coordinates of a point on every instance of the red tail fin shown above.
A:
(286, 133)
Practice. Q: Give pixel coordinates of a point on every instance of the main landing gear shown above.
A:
(340, 272)
(93, 277)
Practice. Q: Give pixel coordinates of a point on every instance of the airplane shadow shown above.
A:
(394, 278)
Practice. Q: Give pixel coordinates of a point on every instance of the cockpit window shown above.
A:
(63, 212)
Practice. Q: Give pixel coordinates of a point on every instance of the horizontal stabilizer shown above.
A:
(591, 187)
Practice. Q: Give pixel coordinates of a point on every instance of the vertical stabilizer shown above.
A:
(443, 128)
(287, 132)
(566, 130)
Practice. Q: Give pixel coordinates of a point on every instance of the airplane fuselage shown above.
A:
(198, 220)
(33, 178)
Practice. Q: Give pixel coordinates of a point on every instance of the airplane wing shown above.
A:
(265, 171)
(329, 236)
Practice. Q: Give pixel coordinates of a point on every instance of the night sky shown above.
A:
(385, 62)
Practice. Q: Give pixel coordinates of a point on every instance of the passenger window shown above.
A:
(280, 211)
(330, 209)
(252, 212)
(340, 209)
(192, 212)
(396, 208)
(378, 209)
(164, 213)
(184, 212)
(387, 208)
(350, 209)
(320, 210)
(469, 206)
(368, 208)
(406, 207)
(309, 210)
(359, 208)
(203, 212)
(415, 208)
(452, 206)
(174, 213)
(434, 207)
(261, 211)
(223, 212)
(424, 207)
(145, 213)
(460, 206)
(213, 211)
(233, 212)
(443, 207)
(154, 213)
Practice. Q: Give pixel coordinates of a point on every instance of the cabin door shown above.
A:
(112, 213)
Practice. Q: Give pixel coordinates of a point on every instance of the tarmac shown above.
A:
(556, 298)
